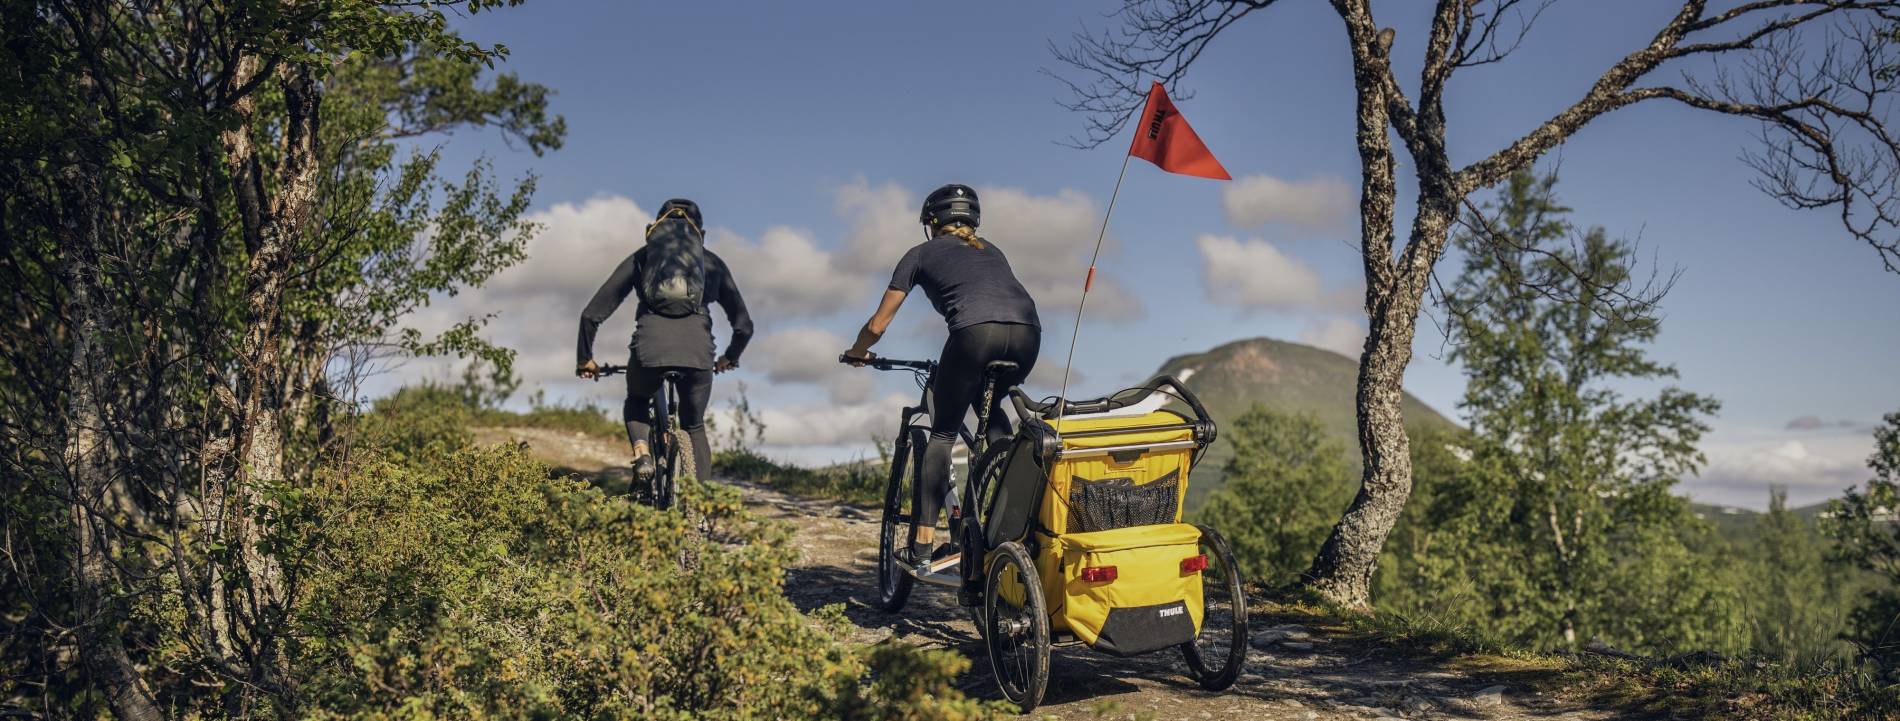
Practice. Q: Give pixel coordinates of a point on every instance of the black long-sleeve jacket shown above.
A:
(659, 341)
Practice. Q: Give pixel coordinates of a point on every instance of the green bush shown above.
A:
(416, 420)
(587, 418)
(861, 482)
(1286, 486)
(478, 588)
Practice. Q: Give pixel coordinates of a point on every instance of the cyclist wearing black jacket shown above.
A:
(991, 318)
(661, 343)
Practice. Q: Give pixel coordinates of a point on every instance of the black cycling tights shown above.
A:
(959, 388)
(695, 388)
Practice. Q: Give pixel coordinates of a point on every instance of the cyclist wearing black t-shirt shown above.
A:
(991, 318)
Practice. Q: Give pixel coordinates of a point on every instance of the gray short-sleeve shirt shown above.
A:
(966, 284)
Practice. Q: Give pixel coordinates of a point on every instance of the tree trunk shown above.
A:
(101, 645)
(1566, 575)
(1342, 572)
(273, 225)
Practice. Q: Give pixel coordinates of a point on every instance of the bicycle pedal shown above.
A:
(944, 564)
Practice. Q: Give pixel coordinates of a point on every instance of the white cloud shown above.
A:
(785, 271)
(1254, 274)
(1048, 239)
(831, 424)
(575, 246)
(883, 225)
(1787, 462)
(809, 355)
(1743, 465)
(1339, 335)
(1319, 203)
(537, 303)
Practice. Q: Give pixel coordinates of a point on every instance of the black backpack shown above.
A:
(673, 279)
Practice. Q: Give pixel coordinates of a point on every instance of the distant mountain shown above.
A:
(1282, 376)
(1741, 525)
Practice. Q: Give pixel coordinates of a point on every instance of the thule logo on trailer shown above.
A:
(1176, 611)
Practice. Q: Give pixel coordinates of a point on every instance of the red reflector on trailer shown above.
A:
(1194, 564)
(1098, 574)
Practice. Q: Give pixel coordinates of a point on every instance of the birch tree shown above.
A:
(183, 189)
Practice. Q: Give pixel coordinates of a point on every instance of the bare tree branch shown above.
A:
(1629, 302)
(1603, 96)
(1823, 140)
(1484, 38)
(1158, 40)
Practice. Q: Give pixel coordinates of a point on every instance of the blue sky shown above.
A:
(808, 131)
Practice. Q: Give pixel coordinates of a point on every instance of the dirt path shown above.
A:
(1293, 672)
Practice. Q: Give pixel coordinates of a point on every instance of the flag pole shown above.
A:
(1068, 364)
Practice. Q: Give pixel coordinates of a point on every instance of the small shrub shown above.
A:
(475, 587)
(416, 421)
(584, 418)
(859, 482)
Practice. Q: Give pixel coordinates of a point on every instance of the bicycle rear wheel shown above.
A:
(679, 464)
(986, 475)
(893, 581)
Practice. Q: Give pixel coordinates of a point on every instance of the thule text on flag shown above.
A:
(1163, 137)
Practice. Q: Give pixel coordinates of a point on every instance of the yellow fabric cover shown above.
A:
(1149, 466)
(1147, 561)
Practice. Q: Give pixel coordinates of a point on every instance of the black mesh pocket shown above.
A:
(1112, 503)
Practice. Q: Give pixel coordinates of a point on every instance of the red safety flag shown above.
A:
(1164, 138)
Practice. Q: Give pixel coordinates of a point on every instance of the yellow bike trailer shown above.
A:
(1079, 530)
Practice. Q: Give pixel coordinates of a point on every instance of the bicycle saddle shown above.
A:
(1001, 367)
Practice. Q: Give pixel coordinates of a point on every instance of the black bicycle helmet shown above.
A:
(953, 202)
(690, 208)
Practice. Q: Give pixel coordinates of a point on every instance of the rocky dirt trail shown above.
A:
(1294, 671)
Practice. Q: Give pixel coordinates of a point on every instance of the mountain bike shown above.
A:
(669, 444)
(895, 580)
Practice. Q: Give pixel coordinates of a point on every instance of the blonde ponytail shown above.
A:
(964, 231)
(673, 213)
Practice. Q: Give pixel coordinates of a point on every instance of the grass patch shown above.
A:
(1742, 689)
(588, 419)
(860, 483)
(1690, 686)
(1412, 636)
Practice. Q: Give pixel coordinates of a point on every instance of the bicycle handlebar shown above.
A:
(885, 364)
(608, 370)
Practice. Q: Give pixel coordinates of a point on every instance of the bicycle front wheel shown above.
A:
(893, 581)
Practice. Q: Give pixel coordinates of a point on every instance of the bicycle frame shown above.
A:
(975, 442)
(908, 423)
